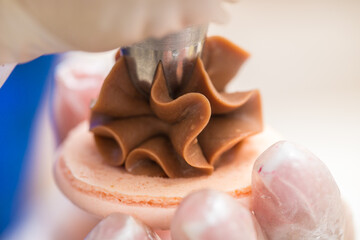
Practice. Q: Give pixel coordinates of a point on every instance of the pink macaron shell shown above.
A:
(102, 189)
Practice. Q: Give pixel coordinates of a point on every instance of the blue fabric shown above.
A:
(19, 99)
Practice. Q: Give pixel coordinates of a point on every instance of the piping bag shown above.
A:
(177, 52)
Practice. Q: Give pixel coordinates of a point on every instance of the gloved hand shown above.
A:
(294, 195)
(30, 28)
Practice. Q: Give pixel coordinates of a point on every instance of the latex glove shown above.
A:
(30, 28)
(294, 196)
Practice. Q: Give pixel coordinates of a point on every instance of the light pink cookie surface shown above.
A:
(101, 189)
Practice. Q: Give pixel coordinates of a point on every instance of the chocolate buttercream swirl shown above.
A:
(184, 136)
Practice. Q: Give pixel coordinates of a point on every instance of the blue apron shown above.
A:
(20, 97)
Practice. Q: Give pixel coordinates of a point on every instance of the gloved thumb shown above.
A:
(295, 195)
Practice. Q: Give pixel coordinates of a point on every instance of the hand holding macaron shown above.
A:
(294, 196)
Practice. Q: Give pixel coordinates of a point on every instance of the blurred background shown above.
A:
(305, 59)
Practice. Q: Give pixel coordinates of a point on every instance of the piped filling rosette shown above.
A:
(176, 136)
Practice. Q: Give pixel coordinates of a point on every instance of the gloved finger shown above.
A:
(121, 226)
(36, 27)
(78, 79)
(211, 215)
(295, 195)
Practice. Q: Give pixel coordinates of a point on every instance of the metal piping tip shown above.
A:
(177, 52)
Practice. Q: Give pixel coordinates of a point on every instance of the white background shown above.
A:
(306, 62)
